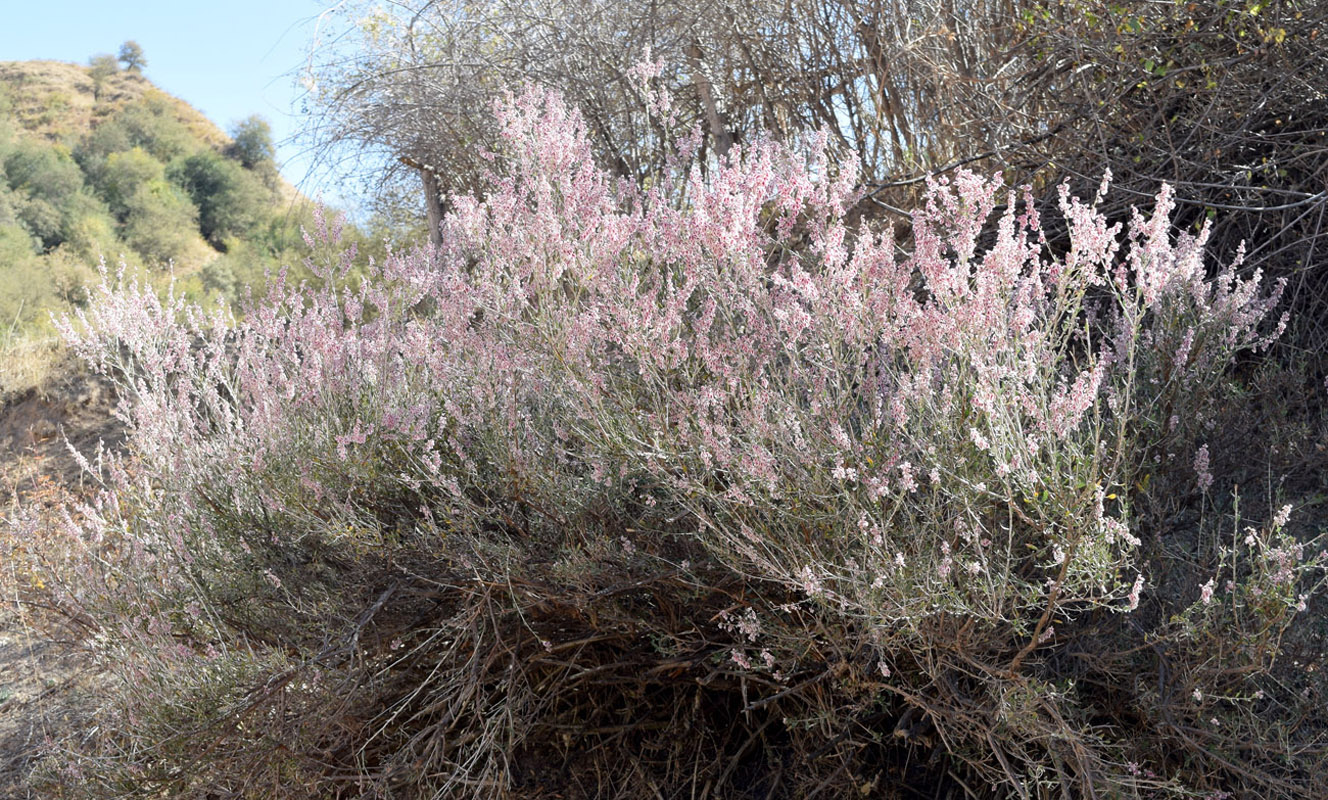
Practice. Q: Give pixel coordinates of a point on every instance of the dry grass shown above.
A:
(27, 363)
(56, 100)
(47, 683)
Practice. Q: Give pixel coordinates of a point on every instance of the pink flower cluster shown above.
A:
(726, 342)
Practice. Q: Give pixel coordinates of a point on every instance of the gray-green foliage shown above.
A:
(149, 123)
(101, 67)
(9, 202)
(42, 180)
(42, 171)
(92, 235)
(23, 294)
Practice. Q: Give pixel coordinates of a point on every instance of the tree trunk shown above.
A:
(723, 138)
(433, 203)
(433, 196)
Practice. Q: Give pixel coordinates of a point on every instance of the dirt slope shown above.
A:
(45, 681)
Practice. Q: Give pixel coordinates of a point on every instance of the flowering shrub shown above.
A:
(919, 464)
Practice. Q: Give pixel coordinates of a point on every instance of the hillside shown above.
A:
(59, 101)
(95, 166)
(98, 164)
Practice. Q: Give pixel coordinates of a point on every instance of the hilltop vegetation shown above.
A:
(97, 163)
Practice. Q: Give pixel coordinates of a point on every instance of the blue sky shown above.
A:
(228, 59)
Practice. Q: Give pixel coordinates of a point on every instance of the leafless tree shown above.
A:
(1225, 101)
(905, 86)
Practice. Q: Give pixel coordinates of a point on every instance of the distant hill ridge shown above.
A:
(56, 100)
(97, 162)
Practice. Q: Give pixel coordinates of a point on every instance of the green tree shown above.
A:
(43, 220)
(44, 178)
(231, 201)
(69, 275)
(123, 173)
(9, 205)
(42, 170)
(101, 67)
(111, 136)
(160, 222)
(150, 123)
(252, 142)
(24, 292)
(90, 232)
(132, 56)
(219, 277)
